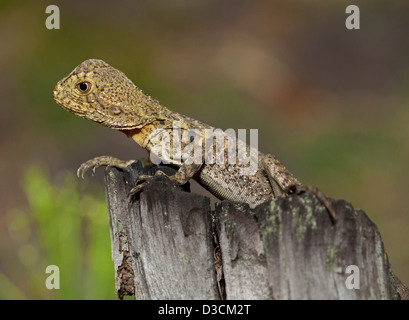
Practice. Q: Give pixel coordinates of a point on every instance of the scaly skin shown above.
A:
(96, 91)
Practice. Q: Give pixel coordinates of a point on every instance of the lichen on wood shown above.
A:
(168, 244)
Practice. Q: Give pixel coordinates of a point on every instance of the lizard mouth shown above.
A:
(71, 109)
(66, 105)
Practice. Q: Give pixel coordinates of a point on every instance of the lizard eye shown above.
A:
(84, 87)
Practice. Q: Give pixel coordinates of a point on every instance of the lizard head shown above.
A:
(96, 91)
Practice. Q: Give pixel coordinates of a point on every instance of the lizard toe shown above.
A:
(294, 189)
(136, 190)
(143, 177)
(84, 167)
(102, 161)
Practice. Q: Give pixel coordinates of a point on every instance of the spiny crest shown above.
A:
(91, 64)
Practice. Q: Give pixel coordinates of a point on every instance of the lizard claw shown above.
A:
(101, 161)
(84, 167)
(136, 190)
(141, 181)
(81, 170)
(143, 177)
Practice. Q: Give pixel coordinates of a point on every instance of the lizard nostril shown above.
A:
(115, 110)
(55, 90)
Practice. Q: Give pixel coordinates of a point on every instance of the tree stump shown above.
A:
(167, 243)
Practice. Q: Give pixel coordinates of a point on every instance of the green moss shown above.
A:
(230, 227)
(304, 221)
(395, 294)
(119, 227)
(112, 177)
(330, 258)
(183, 259)
(272, 224)
(225, 212)
(284, 260)
(244, 259)
(239, 206)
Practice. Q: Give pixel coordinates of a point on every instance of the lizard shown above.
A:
(96, 91)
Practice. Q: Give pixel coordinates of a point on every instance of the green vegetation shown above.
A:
(65, 228)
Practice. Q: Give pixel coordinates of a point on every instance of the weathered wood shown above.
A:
(302, 255)
(242, 250)
(161, 242)
(168, 244)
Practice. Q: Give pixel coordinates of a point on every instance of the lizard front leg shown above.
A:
(283, 182)
(102, 161)
(183, 175)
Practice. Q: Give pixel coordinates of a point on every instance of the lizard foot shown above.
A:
(298, 189)
(136, 189)
(142, 181)
(102, 161)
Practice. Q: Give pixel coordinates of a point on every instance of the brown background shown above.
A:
(332, 104)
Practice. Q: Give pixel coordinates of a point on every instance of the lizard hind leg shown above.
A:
(141, 182)
(320, 196)
(280, 178)
(182, 176)
(102, 161)
(283, 183)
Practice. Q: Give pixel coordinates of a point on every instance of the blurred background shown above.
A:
(331, 104)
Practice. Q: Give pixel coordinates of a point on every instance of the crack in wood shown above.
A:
(172, 246)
